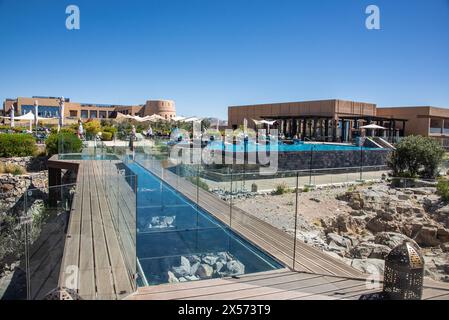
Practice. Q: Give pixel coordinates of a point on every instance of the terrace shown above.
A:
(102, 241)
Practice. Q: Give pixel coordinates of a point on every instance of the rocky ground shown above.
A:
(206, 266)
(361, 224)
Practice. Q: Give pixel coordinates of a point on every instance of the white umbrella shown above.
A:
(12, 117)
(373, 126)
(155, 117)
(61, 113)
(36, 114)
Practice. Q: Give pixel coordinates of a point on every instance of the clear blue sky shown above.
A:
(209, 54)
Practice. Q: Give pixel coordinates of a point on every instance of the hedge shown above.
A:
(63, 142)
(106, 136)
(17, 145)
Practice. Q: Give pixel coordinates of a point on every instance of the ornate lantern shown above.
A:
(404, 273)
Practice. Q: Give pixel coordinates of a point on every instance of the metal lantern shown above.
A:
(404, 273)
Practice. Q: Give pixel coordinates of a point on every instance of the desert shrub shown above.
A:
(443, 189)
(280, 188)
(416, 156)
(64, 142)
(12, 168)
(17, 145)
(106, 136)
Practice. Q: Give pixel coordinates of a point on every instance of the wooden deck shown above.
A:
(281, 284)
(93, 248)
(102, 255)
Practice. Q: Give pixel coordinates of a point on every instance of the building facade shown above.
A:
(422, 120)
(322, 120)
(49, 108)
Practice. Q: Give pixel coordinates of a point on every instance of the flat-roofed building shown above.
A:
(322, 120)
(426, 121)
(49, 108)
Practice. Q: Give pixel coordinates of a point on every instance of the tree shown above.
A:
(416, 156)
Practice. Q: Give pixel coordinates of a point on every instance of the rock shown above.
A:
(369, 250)
(443, 234)
(194, 259)
(191, 278)
(370, 266)
(204, 271)
(194, 267)
(172, 278)
(183, 269)
(376, 225)
(392, 239)
(444, 247)
(315, 200)
(427, 237)
(339, 240)
(235, 267)
(210, 260)
(219, 266)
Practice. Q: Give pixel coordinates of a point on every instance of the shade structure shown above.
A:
(191, 119)
(178, 118)
(373, 127)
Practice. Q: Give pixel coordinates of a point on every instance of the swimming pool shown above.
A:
(282, 147)
(177, 241)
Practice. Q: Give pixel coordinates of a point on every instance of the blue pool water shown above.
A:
(170, 226)
(281, 147)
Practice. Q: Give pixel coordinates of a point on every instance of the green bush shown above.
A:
(64, 142)
(17, 145)
(110, 129)
(416, 156)
(280, 188)
(106, 136)
(443, 189)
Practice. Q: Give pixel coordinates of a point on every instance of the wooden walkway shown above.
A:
(103, 256)
(93, 249)
(281, 284)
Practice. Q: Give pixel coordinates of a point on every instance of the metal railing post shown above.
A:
(296, 220)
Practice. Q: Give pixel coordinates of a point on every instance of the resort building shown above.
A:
(49, 107)
(425, 121)
(322, 120)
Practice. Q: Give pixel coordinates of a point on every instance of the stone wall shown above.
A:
(13, 187)
(301, 160)
(31, 164)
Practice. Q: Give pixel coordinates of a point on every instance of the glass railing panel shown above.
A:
(48, 212)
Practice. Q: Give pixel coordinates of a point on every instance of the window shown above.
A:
(84, 114)
(73, 113)
(93, 114)
(165, 116)
(102, 114)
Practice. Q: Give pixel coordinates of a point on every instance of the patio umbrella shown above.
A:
(373, 127)
(36, 114)
(12, 117)
(61, 113)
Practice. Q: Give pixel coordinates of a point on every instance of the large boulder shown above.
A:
(392, 239)
(183, 269)
(369, 250)
(235, 267)
(370, 266)
(341, 241)
(204, 271)
(427, 236)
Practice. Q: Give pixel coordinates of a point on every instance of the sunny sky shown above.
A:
(209, 54)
